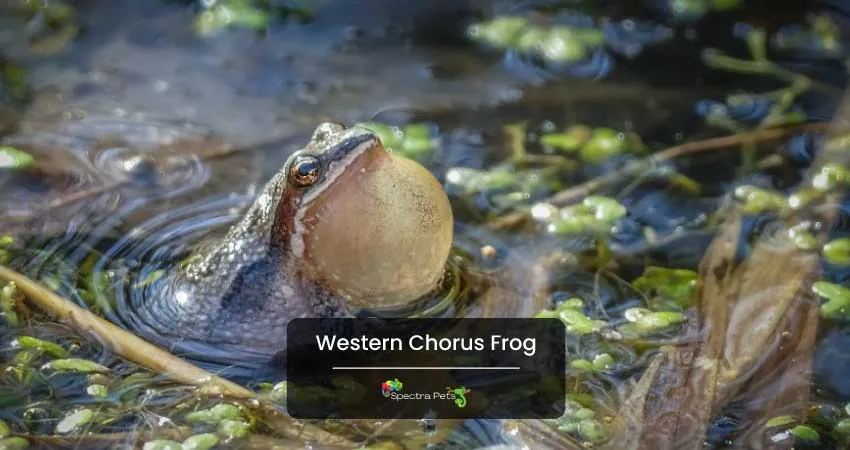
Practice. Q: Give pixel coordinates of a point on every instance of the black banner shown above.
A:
(378, 368)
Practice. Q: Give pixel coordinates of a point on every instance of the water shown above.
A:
(150, 139)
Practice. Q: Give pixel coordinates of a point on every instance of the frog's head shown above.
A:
(366, 224)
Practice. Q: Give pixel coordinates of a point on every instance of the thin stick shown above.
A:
(580, 191)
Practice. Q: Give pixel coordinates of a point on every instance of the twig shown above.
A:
(580, 191)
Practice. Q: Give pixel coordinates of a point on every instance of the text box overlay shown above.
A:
(378, 368)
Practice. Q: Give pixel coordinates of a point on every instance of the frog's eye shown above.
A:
(305, 171)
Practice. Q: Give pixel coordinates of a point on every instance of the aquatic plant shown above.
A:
(574, 47)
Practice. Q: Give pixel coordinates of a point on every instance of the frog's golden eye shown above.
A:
(305, 171)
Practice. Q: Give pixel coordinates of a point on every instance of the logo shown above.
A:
(390, 386)
(460, 395)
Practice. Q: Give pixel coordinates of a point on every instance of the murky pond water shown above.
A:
(590, 153)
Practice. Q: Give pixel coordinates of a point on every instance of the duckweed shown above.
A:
(837, 251)
(215, 414)
(12, 158)
(557, 44)
(602, 145)
(837, 299)
(278, 392)
(74, 365)
(31, 343)
(14, 443)
(802, 237)
(593, 145)
(204, 441)
(642, 321)
(779, 421)
(671, 286)
(830, 176)
(755, 200)
(7, 303)
(805, 433)
(97, 391)
(595, 215)
(842, 427)
(74, 420)
(414, 141)
(570, 312)
(233, 429)
(227, 13)
(803, 197)
(501, 32)
(162, 444)
(570, 140)
(581, 421)
(4, 429)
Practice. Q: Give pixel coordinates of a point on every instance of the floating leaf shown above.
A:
(162, 444)
(780, 421)
(756, 200)
(602, 362)
(74, 420)
(837, 251)
(500, 32)
(226, 13)
(605, 209)
(204, 441)
(563, 46)
(97, 391)
(75, 365)
(672, 285)
(805, 433)
(14, 443)
(603, 144)
(12, 158)
(215, 414)
(52, 349)
(837, 299)
(232, 429)
(575, 320)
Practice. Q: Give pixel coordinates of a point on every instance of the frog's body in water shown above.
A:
(346, 224)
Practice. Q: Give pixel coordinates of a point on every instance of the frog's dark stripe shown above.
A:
(249, 293)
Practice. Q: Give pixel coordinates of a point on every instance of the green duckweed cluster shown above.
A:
(823, 422)
(219, 15)
(667, 289)
(582, 423)
(558, 44)
(415, 141)
(503, 186)
(595, 215)
(8, 299)
(592, 145)
(694, 9)
(668, 293)
(12, 158)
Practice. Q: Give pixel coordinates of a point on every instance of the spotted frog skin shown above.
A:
(344, 225)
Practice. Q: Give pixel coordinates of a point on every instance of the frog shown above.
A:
(345, 226)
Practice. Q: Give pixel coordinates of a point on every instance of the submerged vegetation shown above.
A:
(699, 265)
